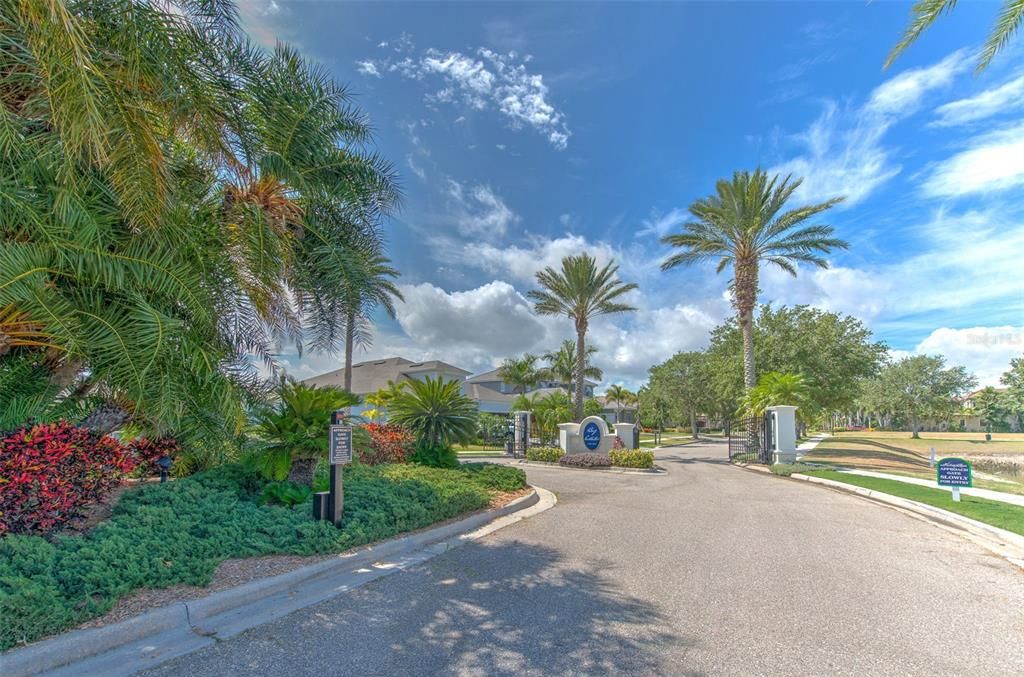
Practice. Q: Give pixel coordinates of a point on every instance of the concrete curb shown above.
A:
(161, 634)
(1001, 542)
(656, 470)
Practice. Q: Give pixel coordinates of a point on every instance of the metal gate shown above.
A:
(751, 440)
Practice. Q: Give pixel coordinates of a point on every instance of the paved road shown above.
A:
(707, 570)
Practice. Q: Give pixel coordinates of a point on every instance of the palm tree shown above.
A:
(295, 428)
(741, 225)
(621, 396)
(521, 372)
(924, 13)
(562, 365)
(581, 291)
(436, 411)
(775, 388)
(167, 217)
(368, 290)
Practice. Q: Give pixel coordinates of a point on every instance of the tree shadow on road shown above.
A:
(501, 608)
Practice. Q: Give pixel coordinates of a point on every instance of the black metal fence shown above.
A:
(750, 440)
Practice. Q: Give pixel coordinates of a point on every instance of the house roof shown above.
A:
(482, 393)
(485, 377)
(372, 375)
(611, 404)
(492, 375)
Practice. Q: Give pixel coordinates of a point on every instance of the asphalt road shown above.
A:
(710, 569)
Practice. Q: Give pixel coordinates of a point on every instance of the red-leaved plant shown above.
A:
(147, 452)
(50, 471)
(389, 443)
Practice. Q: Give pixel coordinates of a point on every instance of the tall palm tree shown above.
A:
(581, 291)
(924, 13)
(562, 365)
(520, 372)
(371, 288)
(621, 395)
(741, 225)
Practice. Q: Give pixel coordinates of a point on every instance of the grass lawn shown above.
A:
(898, 454)
(478, 448)
(1002, 515)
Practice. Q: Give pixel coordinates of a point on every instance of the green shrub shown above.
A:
(632, 458)
(285, 493)
(162, 535)
(545, 454)
(787, 469)
(435, 455)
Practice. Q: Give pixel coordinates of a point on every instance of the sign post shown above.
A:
(931, 461)
(331, 504)
(955, 473)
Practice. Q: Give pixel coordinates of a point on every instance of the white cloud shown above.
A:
(1007, 97)
(991, 162)
(476, 327)
(522, 262)
(485, 80)
(985, 351)
(416, 169)
(902, 95)
(658, 224)
(843, 150)
(479, 211)
(841, 158)
(368, 68)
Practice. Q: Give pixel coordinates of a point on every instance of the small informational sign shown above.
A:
(341, 444)
(591, 436)
(955, 473)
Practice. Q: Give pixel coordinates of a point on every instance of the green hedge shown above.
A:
(178, 533)
(545, 454)
(632, 458)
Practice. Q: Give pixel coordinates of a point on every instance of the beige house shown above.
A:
(370, 376)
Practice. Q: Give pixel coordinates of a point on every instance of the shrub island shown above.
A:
(621, 458)
(54, 577)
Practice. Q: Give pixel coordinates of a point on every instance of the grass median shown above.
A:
(1003, 515)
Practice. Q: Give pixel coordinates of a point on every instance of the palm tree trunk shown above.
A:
(350, 333)
(913, 426)
(581, 358)
(302, 471)
(745, 297)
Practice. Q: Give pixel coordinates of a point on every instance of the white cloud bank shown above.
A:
(991, 163)
(985, 351)
(1007, 97)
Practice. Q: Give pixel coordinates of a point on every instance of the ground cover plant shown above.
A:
(586, 460)
(632, 458)
(162, 535)
(998, 514)
(544, 454)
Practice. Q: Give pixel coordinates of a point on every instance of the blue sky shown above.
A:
(525, 132)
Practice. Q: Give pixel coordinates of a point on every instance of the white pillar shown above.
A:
(624, 431)
(783, 432)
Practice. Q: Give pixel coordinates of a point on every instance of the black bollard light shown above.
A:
(164, 463)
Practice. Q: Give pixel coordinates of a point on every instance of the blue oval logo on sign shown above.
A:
(591, 436)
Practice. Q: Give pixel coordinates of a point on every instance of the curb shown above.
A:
(158, 635)
(656, 470)
(1001, 542)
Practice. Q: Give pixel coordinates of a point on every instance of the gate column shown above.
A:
(783, 427)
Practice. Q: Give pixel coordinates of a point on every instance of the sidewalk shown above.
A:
(807, 447)
(989, 494)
